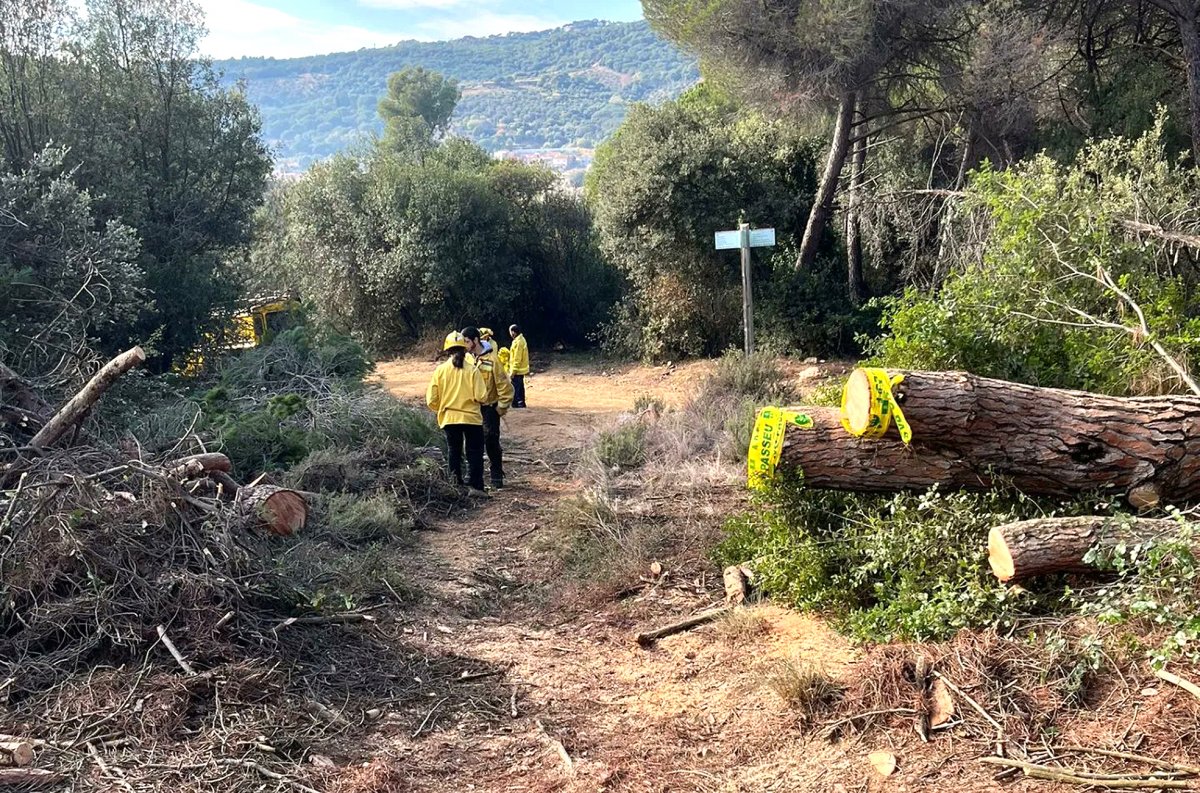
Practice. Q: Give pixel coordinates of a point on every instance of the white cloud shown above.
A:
(240, 27)
(486, 24)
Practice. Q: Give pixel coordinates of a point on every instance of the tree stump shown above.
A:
(1029, 548)
(16, 753)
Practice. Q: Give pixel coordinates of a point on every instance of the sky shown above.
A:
(292, 28)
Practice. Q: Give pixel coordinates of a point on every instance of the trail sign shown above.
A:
(746, 238)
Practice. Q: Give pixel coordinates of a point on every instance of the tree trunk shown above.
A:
(280, 511)
(823, 200)
(1050, 441)
(82, 402)
(198, 464)
(1029, 548)
(855, 282)
(832, 459)
(1189, 34)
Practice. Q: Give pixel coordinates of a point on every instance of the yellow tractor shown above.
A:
(256, 322)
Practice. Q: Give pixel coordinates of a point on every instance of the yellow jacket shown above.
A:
(456, 394)
(499, 387)
(518, 360)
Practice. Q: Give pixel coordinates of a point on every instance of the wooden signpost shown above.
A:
(746, 238)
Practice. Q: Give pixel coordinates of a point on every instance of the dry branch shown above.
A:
(75, 409)
(1072, 777)
(646, 638)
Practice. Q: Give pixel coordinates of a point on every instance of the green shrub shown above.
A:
(1051, 233)
(893, 567)
(622, 447)
(359, 519)
(1156, 588)
(757, 377)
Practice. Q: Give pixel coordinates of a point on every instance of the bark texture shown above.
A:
(1029, 548)
(823, 201)
(1052, 441)
(855, 282)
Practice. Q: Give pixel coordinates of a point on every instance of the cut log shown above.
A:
(281, 511)
(738, 586)
(16, 753)
(198, 464)
(27, 778)
(81, 403)
(975, 432)
(830, 458)
(1029, 548)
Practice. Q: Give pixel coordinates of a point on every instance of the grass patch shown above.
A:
(803, 686)
(742, 626)
(362, 519)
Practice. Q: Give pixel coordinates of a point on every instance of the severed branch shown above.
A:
(1176, 680)
(75, 409)
(174, 651)
(1190, 240)
(647, 638)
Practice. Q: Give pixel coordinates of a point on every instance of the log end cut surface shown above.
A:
(282, 511)
(856, 402)
(999, 556)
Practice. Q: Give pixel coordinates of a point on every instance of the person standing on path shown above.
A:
(499, 397)
(456, 394)
(518, 365)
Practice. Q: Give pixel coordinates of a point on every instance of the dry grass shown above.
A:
(804, 686)
(742, 626)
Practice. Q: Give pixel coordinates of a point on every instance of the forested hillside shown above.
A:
(557, 88)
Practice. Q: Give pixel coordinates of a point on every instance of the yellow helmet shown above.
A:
(454, 339)
(486, 333)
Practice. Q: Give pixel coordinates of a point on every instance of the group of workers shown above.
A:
(470, 391)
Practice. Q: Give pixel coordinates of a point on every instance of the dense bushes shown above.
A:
(1030, 302)
(670, 178)
(393, 246)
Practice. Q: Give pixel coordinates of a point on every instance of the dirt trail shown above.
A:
(565, 700)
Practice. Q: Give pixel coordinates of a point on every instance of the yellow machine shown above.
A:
(258, 320)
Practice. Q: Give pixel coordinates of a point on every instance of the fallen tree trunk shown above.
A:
(1029, 548)
(1047, 441)
(832, 459)
(280, 511)
(70, 413)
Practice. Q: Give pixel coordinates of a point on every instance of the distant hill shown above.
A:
(563, 88)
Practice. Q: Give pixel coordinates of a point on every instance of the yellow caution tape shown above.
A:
(766, 443)
(884, 409)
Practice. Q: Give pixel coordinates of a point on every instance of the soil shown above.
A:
(566, 700)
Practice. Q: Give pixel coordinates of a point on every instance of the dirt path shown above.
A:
(564, 700)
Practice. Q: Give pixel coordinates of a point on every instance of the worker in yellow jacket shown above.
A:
(518, 365)
(499, 396)
(457, 393)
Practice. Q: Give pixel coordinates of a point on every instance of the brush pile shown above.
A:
(152, 633)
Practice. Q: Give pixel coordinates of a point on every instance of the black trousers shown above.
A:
(471, 436)
(491, 442)
(518, 381)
